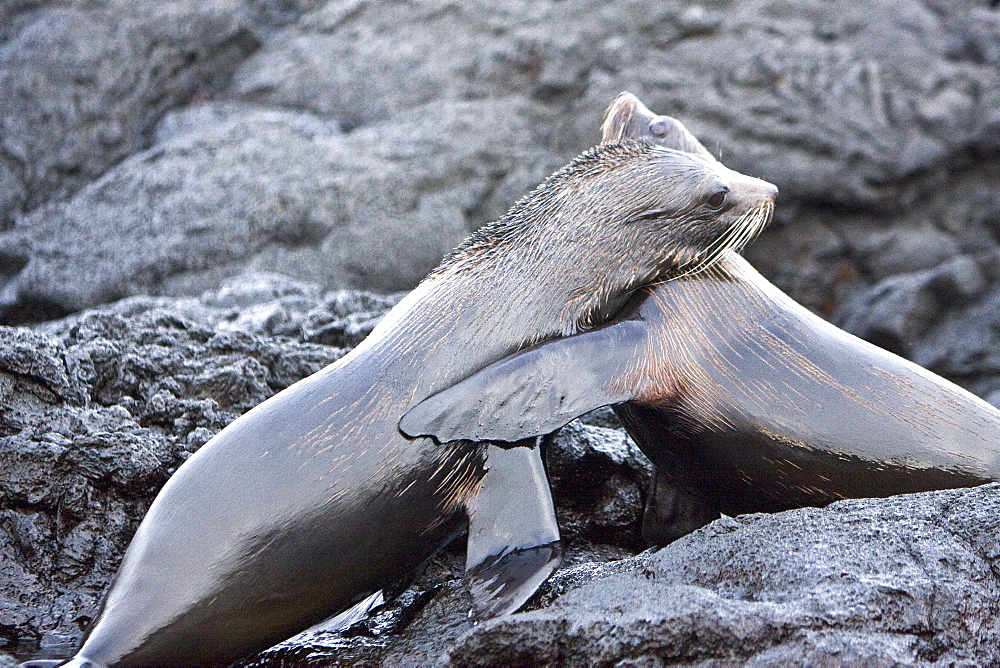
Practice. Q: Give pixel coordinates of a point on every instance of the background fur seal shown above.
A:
(744, 400)
(313, 500)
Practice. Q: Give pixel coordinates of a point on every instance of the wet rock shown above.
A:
(904, 580)
(97, 411)
(85, 83)
(229, 190)
(599, 479)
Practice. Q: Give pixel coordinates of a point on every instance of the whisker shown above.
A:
(715, 250)
(738, 236)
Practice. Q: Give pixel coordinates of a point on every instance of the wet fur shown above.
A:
(314, 499)
(743, 399)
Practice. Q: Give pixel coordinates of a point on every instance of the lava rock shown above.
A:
(901, 581)
(813, 95)
(599, 479)
(230, 190)
(96, 412)
(944, 319)
(170, 148)
(84, 84)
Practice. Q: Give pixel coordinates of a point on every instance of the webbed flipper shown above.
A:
(513, 536)
(534, 392)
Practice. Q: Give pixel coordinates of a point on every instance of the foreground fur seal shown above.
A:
(314, 500)
(743, 399)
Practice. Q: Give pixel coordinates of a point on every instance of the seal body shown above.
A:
(743, 399)
(314, 500)
(754, 404)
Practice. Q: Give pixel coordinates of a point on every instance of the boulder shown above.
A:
(812, 95)
(908, 580)
(942, 318)
(234, 188)
(99, 409)
(84, 84)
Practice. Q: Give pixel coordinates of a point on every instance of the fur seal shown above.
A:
(744, 400)
(314, 500)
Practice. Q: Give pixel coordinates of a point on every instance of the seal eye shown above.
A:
(658, 128)
(717, 200)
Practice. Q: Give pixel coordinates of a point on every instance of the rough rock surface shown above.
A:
(84, 84)
(901, 581)
(232, 187)
(97, 411)
(878, 122)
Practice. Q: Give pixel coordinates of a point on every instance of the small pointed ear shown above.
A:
(628, 118)
(623, 118)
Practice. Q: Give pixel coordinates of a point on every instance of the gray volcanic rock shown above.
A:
(364, 62)
(878, 122)
(599, 479)
(84, 84)
(941, 318)
(908, 580)
(96, 411)
(231, 188)
(817, 97)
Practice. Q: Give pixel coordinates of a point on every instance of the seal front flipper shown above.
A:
(536, 391)
(513, 536)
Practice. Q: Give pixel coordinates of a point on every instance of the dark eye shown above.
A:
(717, 200)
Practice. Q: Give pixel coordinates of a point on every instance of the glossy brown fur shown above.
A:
(744, 400)
(751, 403)
(863, 422)
(314, 499)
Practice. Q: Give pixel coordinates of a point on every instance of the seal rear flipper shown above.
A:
(534, 392)
(513, 536)
(352, 615)
(673, 511)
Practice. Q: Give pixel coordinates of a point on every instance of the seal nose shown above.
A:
(770, 190)
(763, 190)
